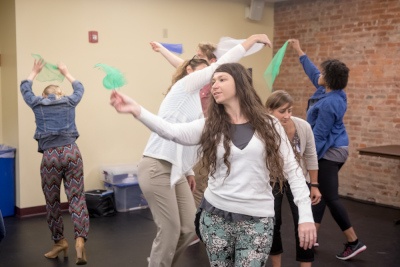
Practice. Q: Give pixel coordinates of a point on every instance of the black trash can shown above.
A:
(7, 180)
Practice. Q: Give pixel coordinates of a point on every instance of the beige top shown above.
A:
(308, 152)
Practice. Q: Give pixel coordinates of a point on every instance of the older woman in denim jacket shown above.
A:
(56, 134)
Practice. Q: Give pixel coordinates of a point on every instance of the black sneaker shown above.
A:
(351, 250)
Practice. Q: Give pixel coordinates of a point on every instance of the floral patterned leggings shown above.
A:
(243, 243)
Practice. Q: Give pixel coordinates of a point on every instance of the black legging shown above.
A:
(302, 255)
(328, 179)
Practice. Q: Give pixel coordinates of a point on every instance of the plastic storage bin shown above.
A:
(7, 180)
(123, 181)
(127, 196)
(120, 174)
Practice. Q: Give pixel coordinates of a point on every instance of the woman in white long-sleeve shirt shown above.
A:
(165, 163)
(170, 201)
(241, 147)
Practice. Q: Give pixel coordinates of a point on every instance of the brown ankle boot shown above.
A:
(61, 245)
(80, 251)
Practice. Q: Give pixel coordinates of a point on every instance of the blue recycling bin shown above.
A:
(7, 180)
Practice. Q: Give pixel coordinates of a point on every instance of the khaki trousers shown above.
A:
(173, 211)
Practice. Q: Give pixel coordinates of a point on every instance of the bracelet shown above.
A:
(314, 185)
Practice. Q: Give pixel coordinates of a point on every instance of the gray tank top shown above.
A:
(241, 134)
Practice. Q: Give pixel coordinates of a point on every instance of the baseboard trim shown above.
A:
(34, 211)
(370, 202)
(40, 210)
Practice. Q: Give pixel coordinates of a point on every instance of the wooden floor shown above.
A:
(125, 240)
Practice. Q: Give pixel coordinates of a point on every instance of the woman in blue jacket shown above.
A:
(56, 133)
(325, 112)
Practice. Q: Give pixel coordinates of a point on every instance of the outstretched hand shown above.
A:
(124, 104)
(155, 46)
(38, 65)
(294, 43)
(36, 69)
(296, 46)
(256, 38)
(64, 71)
(263, 38)
(62, 68)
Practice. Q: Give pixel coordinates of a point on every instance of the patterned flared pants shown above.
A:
(58, 164)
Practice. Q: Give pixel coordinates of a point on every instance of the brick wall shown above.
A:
(365, 34)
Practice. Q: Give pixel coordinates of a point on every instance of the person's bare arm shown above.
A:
(315, 194)
(296, 46)
(64, 71)
(256, 38)
(36, 69)
(191, 182)
(173, 59)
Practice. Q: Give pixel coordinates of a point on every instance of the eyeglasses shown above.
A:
(197, 60)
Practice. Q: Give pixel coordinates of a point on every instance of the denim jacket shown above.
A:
(325, 112)
(54, 117)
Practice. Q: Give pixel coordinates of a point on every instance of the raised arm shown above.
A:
(296, 46)
(64, 71)
(173, 59)
(196, 80)
(77, 95)
(182, 133)
(36, 69)
(26, 85)
(309, 68)
(256, 38)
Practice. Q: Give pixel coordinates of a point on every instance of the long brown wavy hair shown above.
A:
(218, 123)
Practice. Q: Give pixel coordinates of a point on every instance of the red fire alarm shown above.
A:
(93, 37)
